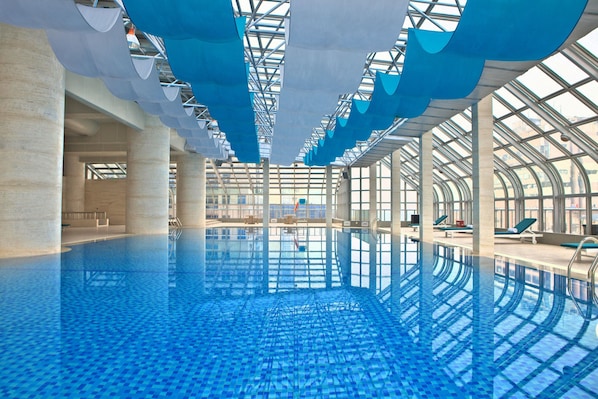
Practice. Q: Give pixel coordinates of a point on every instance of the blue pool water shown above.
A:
(289, 313)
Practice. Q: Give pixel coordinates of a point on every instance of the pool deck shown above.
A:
(547, 257)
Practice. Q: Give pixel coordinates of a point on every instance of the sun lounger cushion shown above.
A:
(587, 245)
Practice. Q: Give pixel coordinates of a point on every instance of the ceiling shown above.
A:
(265, 49)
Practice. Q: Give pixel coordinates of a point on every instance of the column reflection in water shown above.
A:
(30, 326)
(395, 274)
(328, 258)
(483, 327)
(427, 264)
(190, 263)
(265, 259)
(373, 244)
(343, 248)
(114, 308)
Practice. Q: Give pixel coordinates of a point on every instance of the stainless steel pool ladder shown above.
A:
(374, 228)
(175, 222)
(591, 276)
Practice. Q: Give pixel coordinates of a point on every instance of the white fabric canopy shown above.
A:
(327, 45)
(91, 42)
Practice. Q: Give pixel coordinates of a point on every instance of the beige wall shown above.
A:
(107, 195)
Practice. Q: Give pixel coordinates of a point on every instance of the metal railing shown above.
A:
(591, 276)
(83, 215)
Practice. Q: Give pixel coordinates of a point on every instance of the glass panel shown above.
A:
(575, 215)
(440, 157)
(455, 190)
(548, 204)
(590, 91)
(527, 181)
(441, 135)
(499, 191)
(519, 127)
(541, 145)
(513, 101)
(544, 180)
(540, 83)
(498, 109)
(498, 139)
(499, 212)
(469, 182)
(591, 168)
(590, 41)
(532, 211)
(509, 186)
(462, 122)
(439, 193)
(537, 121)
(506, 157)
(571, 177)
(510, 219)
(565, 69)
(568, 147)
(570, 107)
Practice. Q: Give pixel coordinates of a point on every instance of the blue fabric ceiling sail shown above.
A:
(387, 101)
(204, 44)
(207, 20)
(194, 60)
(230, 96)
(515, 30)
(432, 72)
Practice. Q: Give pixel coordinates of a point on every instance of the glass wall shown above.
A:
(545, 148)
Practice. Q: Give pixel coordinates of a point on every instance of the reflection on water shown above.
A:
(290, 312)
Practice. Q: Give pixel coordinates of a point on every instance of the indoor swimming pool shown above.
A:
(295, 312)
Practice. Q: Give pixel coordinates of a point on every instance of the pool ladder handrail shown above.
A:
(374, 228)
(591, 276)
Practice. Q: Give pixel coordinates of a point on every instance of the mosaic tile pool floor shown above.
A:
(236, 313)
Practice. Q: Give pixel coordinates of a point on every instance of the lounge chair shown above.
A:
(437, 222)
(449, 230)
(441, 220)
(582, 247)
(521, 230)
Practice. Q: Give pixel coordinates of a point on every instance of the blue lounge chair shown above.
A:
(582, 247)
(521, 230)
(437, 222)
(440, 220)
(449, 230)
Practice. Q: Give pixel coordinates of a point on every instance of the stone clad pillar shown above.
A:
(31, 143)
(426, 193)
(148, 167)
(483, 177)
(191, 190)
(74, 184)
(395, 193)
(373, 194)
(266, 194)
(328, 196)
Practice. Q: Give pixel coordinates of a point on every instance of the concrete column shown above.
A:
(426, 194)
(373, 194)
(191, 190)
(74, 184)
(266, 194)
(483, 177)
(395, 193)
(148, 158)
(31, 143)
(329, 196)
